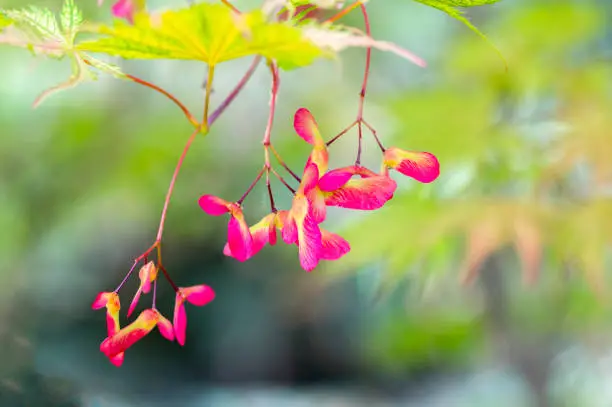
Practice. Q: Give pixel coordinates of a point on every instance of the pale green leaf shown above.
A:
(337, 38)
(38, 30)
(463, 3)
(34, 28)
(211, 33)
(71, 19)
(4, 21)
(105, 67)
(450, 7)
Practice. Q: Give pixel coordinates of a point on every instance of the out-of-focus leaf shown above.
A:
(425, 338)
(206, 32)
(38, 30)
(4, 21)
(528, 244)
(338, 38)
(584, 235)
(483, 239)
(450, 7)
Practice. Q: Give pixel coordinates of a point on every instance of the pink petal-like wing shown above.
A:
(318, 207)
(130, 334)
(117, 360)
(309, 243)
(147, 274)
(363, 194)
(213, 205)
(289, 232)
(165, 328)
(335, 179)
(310, 178)
(101, 300)
(320, 157)
(272, 234)
(422, 166)
(112, 323)
(198, 295)
(239, 238)
(134, 301)
(263, 232)
(306, 127)
(180, 320)
(124, 9)
(333, 246)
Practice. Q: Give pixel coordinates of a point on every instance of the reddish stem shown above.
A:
(167, 94)
(282, 180)
(174, 286)
(230, 98)
(366, 75)
(250, 188)
(177, 169)
(268, 131)
(231, 6)
(373, 131)
(344, 12)
(154, 293)
(273, 98)
(282, 163)
(129, 273)
(359, 143)
(269, 187)
(342, 133)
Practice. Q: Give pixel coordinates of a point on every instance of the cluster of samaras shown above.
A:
(352, 187)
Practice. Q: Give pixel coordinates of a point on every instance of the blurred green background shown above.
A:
(487, 288)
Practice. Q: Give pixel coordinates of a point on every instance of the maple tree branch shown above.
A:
(177, 169)
(250, 188)
(344, 12)
(209, 81)
(368, 60)
(194, 122)
(268, 132)
(283, 164)
(230, 98)
(273, 98)
(231, 6)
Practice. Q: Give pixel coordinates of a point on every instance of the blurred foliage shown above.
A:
(525, 163)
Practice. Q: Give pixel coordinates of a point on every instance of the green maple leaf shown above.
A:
(4, 21)
(38, 30)
(206, 32)
(450, 7)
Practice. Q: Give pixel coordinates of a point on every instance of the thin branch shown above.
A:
(209, 82)
(359, 144)
(344, 12)
(167, 94)
(231, 6)
(269, 187)
(366, 74)
(282, 180)
(373, 131)
(177, 169)
(174, 286)
(273, 98)
(342, 133)
(250, 188)
(230, 98)
(282, 163)
(154, 293)
(129, 273)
